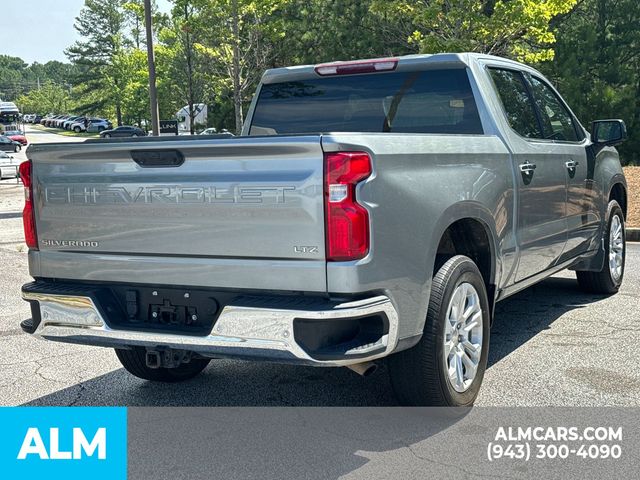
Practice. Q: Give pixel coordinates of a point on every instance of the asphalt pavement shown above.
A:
(550, 345)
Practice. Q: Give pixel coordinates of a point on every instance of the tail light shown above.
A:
(28, 214)
(347, 222)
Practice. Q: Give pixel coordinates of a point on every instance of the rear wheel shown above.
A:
(447, 365)
(609, 279)
(134, 361)
(17, 148)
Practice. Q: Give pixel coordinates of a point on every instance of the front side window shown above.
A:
(430, 101)
(557, 123)
(516, 101)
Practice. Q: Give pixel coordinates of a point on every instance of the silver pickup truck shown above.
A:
(370, 209)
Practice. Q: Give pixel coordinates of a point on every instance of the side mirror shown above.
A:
(608, 132)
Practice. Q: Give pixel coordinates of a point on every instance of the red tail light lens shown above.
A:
(347, 222)
(28, 214)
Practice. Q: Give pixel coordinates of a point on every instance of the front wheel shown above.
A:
(106, 135)
(447, 365)
(17, 148)
(134, 361)
(77, 129)
(608, 280)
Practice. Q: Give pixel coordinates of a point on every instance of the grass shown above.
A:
(66, 133)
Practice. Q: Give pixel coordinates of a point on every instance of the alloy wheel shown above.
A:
(463, 337)
(616, 248)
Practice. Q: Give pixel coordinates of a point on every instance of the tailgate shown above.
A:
(242, 198)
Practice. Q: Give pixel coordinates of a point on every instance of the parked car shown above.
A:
(48, 121)
(209, 131)
(67, 123)
(123, 131)
(17, 136)
(28, 118)
(8, 145)
(380, 211)
(8, 166)
(37, 119)
(96, 125)
(58, 123)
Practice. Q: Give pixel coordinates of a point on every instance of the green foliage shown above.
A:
(329, 30)
(597, 66)
(18, 78)
(50, 97)
(101, 25)
(511, 28)
(181, 66)
(214, 52)
(238, 44)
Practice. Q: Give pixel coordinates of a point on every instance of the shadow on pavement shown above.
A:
(236, 383)
(531, 311)
(305, 443)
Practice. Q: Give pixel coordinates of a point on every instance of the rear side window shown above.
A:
(557, 123)
(431, 101)
(517, 102)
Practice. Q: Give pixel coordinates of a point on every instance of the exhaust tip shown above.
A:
(364, 369)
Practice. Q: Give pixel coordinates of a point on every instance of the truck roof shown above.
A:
(300, 72)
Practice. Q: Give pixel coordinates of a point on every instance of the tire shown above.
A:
(135, 135)
(17, 148)
(134, 362)
(77, 129)
(608, 280)
(107, 135)
(419, 375)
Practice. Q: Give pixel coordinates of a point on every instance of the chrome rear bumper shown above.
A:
(245, 330)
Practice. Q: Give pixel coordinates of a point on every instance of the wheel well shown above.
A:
(469, 237)
(619, 194)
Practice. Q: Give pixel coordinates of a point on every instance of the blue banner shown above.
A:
(63, 442)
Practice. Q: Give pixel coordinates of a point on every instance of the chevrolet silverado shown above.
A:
(371, 209)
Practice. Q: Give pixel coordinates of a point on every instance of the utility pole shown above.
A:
(153, 92)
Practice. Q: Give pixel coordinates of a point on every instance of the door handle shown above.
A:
(527, 168)
(571, 164)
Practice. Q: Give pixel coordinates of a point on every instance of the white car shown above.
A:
(8, 166)
(95, 125)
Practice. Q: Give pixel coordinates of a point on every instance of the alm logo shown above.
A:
(33, 444)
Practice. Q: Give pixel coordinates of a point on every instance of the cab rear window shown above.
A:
(430, 101)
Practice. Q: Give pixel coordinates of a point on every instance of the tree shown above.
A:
(597, 65)
(101, 26)
(181, 63)
(49, 98)
(511, 28)
(134, 13)
(11, 76)
(327, 30)
(240, 42)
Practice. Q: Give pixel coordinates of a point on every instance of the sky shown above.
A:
(40, 30)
